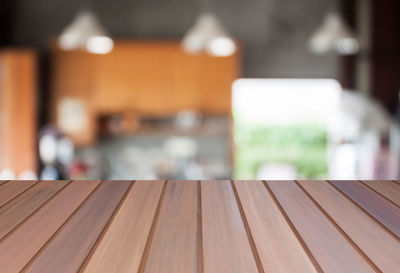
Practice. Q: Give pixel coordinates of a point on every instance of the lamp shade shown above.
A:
(334, 36)
(208, 34)
(85, 32)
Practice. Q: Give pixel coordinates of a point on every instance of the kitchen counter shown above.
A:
(199, 226)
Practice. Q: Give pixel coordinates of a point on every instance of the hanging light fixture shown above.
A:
(85, 32)
(208, 34)
(334, 36)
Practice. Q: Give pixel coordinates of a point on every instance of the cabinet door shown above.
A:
(143, 72)
(186, 81)
(73, 77)
(218, 75)
(18, 110)
(72, 69)
(129, 78)
(110, 86)
(203, 82)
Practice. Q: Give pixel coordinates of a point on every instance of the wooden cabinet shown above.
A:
(149, 78)
(216, 83)
(72, 94)
(131, 78)
(18, 111)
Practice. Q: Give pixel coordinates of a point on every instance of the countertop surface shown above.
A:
(199, 226)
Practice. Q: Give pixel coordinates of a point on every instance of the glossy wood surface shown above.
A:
(380, 208)
(10, 190)
(223, 223)
(173, 246)
(199, 226)
(25, 204)
(123, 245)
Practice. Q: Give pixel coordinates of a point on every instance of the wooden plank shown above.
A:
(3, 182)
(10, 190)
(375, 242)
(377, 206)
(388, 189)
(39, 228)
(328, 245)
(225, 241)
(272, 234)
(18, 209)
(174, 246)
(70, 246)
(122, 246)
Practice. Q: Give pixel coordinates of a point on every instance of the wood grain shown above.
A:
(377, 206)
(374, 241)
(38, 229)
(332, 251)
(18, 209)
(277, 245)
(122, 246)
(199, 226)
(3, 182)
(389, 189)
(10, 190)
(225, 242)
(67, 250)
(173, 248)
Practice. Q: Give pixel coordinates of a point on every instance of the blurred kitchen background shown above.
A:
(199, 89)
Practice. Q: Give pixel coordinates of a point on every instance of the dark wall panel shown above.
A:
(274, 33)
(386, 52)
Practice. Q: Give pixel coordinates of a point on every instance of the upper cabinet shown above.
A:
(148, 78)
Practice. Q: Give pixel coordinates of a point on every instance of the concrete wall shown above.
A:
(274, 33)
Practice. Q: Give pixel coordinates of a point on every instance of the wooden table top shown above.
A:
(199, 226)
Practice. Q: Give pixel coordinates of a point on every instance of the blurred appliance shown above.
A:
(56, 152)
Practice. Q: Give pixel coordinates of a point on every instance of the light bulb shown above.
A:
(99, 45)
(221, 46)
(86, 32)
(334, 35)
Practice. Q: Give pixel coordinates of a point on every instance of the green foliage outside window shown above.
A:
(303, 145)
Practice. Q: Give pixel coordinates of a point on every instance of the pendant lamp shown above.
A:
(334, 35)
(208, 34)
(85, 32)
